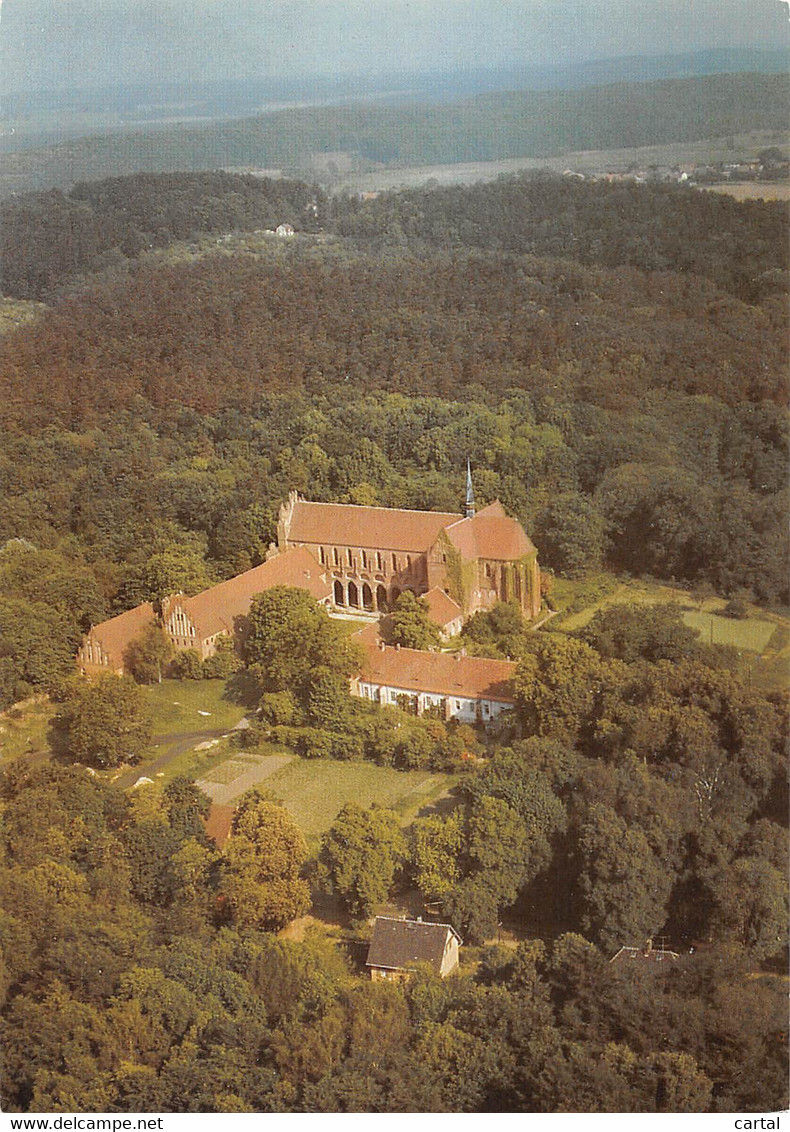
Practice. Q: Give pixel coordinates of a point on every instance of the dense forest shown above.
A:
(487, 127)
(613, 362)
(51, 241)
(142, 972)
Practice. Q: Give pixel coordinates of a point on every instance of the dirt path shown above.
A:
(177, 743)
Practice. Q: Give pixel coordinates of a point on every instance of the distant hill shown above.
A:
(487, 127)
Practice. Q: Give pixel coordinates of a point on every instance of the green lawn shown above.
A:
(24, 729)
(315, 790)
(578, 602)
(765, 635)
(751, 634)
(191, 705)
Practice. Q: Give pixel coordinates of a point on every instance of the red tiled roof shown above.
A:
(215, 610)
(441, 607)
(218, 823)
(491, 533)
(444, 674)
(381, 528)
(115, 634)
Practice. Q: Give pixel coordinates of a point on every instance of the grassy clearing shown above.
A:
(192, 763)
(315, 791)
(24, 729)
(764, 635)
(751, 634)
(577, 602)
(177, 706)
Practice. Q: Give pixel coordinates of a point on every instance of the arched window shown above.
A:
(335, 556)
(353, 595)
(322, 555)
(367, 596)
(339, 595)
(381, 598)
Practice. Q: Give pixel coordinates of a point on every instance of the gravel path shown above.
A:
(176, 744)
(229, 779)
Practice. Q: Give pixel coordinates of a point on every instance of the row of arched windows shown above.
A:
(376, 560)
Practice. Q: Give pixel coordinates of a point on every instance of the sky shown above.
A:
(51, 44)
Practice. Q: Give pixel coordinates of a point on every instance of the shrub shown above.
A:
(187, 665)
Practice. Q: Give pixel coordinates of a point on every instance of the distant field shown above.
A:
(753, 190)
(710, 151)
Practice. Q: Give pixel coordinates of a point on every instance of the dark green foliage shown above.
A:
(106, 722)
(497, 632)
(410, 625)
(631, 632)
(36, 649)
(736, 608)
(571, 534)
(147, 658)
(187, 665)
(223, 663)
(114, 1005)
(52, 238)
(361, 856)
(290, 644)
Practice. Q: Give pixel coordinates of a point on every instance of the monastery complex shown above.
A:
(356, 561)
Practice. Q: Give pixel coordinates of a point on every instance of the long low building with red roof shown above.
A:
(197, 622)
(103, 648)
(471, 689)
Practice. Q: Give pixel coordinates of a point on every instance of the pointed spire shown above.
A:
(469, 508)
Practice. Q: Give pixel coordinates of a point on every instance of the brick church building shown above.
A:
(357, 561)
(372, 554)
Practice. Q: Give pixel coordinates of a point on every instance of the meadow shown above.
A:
(316, 790)
(763, 636)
